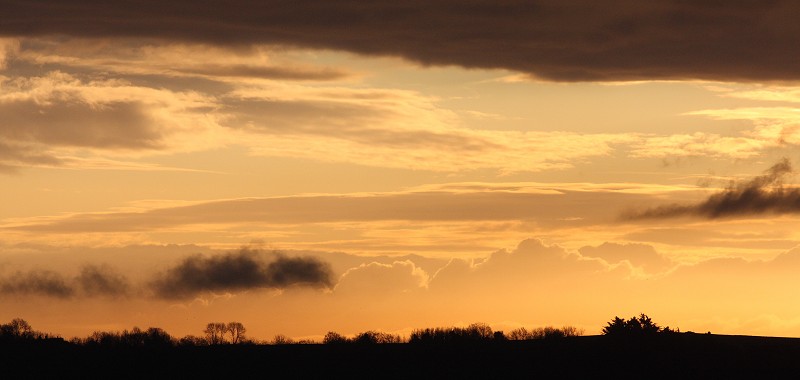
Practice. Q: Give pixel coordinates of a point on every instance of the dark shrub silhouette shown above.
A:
(193, 340)
(641, 325)
(375, 337)
(476, 332)
(334, 338)
(281, 339)
(153, 337)
(548, 332)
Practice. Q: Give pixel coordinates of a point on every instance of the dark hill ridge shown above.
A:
(679, 355)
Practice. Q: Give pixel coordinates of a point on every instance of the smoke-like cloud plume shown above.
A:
(764, 194)
(242, 270)
(92, 281)
(37, 282)
(102, 281)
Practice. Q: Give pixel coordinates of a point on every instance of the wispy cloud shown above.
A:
(57, 115)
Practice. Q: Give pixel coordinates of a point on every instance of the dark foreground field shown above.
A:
(672, 356)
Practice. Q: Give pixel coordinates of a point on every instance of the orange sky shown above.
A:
(330, 167)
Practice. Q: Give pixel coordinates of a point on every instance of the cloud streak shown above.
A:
(760, 195)
(566, 41)
(239, 271)
(454, 202)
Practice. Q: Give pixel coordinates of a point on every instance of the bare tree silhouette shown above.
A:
(215, 332)
(236, 331)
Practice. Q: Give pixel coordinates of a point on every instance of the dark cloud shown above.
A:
(239, 271)
(761, 195)
(92, 281)
(102, 281)
(558, 40)
(37, 282)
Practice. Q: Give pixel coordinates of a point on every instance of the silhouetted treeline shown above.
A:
(153, 337)
(218, 333)
(233, 333)
(368, 337)
(19, 330)
(544, 333)
(477, 352)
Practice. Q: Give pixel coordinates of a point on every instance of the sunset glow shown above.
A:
(338, 166)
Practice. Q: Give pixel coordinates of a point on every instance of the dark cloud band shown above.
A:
(239, 271)
(582, 40)
(93, 281)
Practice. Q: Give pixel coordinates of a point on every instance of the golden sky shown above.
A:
(353, 166)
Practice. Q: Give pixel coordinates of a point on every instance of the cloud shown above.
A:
(37, 282)
(169, 98)
(522, 269)
(172, 60)
(640, 255)
(14, 154)
(92, 281)
(701, 144)
(566, 41)
(547, 204)
(239, 271)
(382, 279)
(393, 128)
(102, 280)
(52, 118)
(8, 47)
(760, 195)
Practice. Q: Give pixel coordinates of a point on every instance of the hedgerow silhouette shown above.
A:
(233, 333)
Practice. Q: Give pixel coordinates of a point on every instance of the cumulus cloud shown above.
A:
(640, 255)
(239, 271)
(382, 279)
(531, 264)
(760, 195)
(566, 41)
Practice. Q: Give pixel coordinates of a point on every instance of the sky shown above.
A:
(315, 166)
